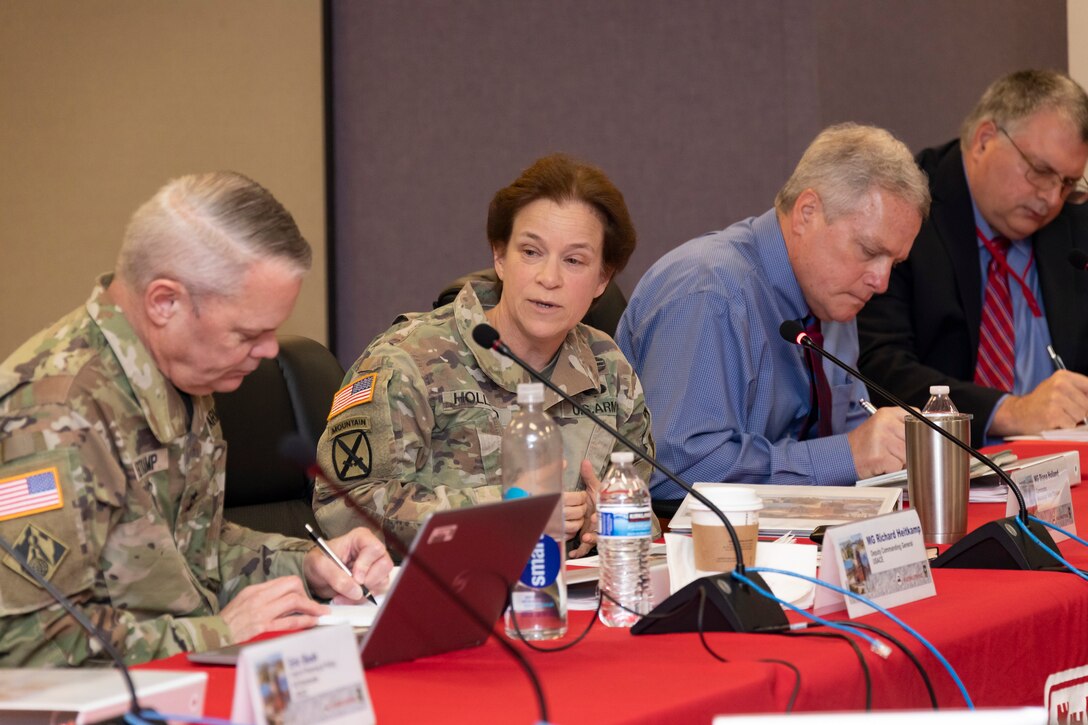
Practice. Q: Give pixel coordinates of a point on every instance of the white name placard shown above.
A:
(308, 678)
(882, 558)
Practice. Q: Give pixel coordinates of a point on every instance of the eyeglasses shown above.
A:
(1074, 190)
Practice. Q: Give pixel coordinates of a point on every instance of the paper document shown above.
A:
(1079, 434)
(357, 615)
(978, 468)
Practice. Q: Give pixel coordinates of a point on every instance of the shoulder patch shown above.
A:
(362, 422)
(30, 493)
(351, 455)
(40, 550)
(357, 392)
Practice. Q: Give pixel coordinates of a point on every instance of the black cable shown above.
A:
(560, 648)
(706, 645)
(857, 652)
(905, 650)
(296, 450)
(796, 684)
(134, 702)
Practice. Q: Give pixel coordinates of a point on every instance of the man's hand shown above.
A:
(1060, 401)
(280, 604)
(363, 553)
(588, 531)
(879, 444)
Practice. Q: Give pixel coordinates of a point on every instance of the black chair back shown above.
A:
(290, 394)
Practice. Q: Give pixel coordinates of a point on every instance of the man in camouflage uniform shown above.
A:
(111, 454)
(418, 426)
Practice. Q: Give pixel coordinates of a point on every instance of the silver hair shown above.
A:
(1024, 93)
(847, 161)
(204, 230)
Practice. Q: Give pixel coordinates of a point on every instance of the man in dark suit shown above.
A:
(1005, 216)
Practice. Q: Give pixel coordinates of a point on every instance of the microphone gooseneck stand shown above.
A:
(998, 544)
(734, 607)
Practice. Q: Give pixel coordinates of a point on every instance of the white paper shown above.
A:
(355, 615)
(799, 558)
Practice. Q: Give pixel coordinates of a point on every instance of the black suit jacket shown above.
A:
(924, 330)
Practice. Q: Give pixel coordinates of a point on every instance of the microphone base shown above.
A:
(1001, 544)
(729, 607)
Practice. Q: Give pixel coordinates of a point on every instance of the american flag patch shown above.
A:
(29, 493)
(357, 392)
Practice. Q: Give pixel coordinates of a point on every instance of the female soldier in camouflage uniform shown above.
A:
(418, 426)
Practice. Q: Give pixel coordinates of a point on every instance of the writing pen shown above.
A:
(869, 407)
(1059, 364)
(332, 555)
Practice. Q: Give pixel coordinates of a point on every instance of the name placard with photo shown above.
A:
(882, 558)
(308, 678)
(1046, 492)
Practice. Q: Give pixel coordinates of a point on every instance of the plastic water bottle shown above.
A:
(532, 464)
(939, 403)
(623, 542)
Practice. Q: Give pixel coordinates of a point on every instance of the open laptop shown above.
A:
(452, 586)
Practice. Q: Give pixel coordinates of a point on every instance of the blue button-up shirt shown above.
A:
(728, 395)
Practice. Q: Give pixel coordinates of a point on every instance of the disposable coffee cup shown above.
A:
(710, 538)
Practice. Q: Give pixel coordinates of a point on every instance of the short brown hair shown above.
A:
(561, 178)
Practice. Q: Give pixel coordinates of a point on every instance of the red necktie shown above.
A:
(820, 409)
(997, 337)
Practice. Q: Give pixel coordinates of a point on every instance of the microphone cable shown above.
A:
(878, 646)
(866, 674)
(906, 651)
(295, 450)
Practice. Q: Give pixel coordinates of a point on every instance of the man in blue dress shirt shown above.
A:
(731, 400)
(1007, 196)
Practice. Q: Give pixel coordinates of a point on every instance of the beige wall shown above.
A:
(1078, 40)
(104, 101)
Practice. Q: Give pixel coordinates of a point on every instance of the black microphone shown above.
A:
(739, 607)
(1078, 258)
(995, 545)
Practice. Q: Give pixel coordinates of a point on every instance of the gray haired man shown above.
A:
(111, 454)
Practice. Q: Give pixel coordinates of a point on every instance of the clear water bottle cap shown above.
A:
(938, 390)
(623, 457)
(530, 393)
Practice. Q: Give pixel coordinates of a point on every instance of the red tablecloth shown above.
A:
(1003, 631)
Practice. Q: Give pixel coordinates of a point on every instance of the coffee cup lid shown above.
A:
(729, 499)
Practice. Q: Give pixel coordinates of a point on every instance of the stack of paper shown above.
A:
(978, 468)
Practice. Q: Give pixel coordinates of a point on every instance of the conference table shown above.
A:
(1004, 632)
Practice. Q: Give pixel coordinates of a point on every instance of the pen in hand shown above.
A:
(869, 407)
(332, 555)
(1059, 364)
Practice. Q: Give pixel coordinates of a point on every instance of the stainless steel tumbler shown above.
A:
(938, 476)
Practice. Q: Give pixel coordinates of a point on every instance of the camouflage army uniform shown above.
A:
(139, 541)
(429, 438)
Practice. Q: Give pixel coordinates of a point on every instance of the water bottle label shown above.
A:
(544, 563)
(625, 521)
